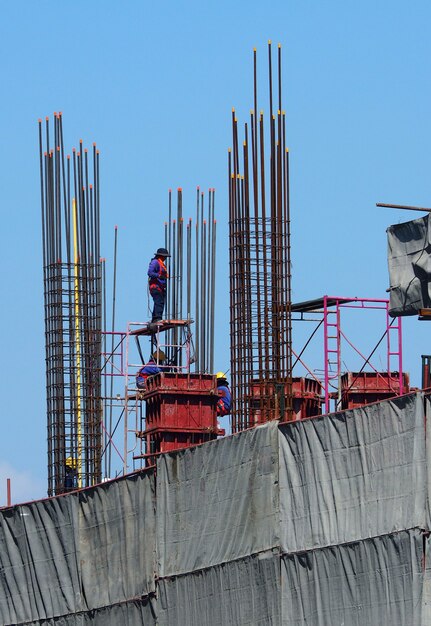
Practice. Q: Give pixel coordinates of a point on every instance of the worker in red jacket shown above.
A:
(157, 280)
(224, 403)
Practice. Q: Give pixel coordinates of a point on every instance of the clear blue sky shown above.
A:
(153, 85)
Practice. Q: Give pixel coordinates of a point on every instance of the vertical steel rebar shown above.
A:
(260, 286)
(72, 297)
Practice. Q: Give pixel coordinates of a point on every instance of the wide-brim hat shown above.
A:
(162, 252)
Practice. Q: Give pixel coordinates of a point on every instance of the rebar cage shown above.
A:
(260, 287)
(73, 369)
(73, 296)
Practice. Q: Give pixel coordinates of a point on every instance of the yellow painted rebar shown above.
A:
(77, 344)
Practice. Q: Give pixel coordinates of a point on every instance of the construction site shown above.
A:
(310, 505)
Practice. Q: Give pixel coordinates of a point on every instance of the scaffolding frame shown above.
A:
(122, 364)
(328, 311)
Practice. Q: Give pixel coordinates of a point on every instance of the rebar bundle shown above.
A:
(72, 274)
(191, 287)
(260, 281)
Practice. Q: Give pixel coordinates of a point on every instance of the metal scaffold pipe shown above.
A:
(192, 278)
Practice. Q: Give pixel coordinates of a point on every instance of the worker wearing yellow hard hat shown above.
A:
(224, 403)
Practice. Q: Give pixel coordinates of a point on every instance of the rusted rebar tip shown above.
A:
(73, 149)
(116, 227)
(269, 42)
(39, 121)
(55, 114)
(80, 141)
(94, 144)
(91, 186)
(46, 119)
(97, 151)
(233, 109)
(85, 150)
(68, 156)
(179, 189)
(58, 148)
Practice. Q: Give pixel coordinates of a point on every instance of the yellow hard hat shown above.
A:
(71, 462)
(159, 356)
(220, 375)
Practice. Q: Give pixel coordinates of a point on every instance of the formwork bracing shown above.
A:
(260, 282)
(72, 273)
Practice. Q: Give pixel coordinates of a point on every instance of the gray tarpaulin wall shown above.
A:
(322, 522)
(409, 261)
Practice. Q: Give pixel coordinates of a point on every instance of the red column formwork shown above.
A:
(180, 412)
(307, 399)
(359, 388)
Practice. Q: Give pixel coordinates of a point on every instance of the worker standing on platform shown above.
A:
(150, 369)
(157, 279)
(224, 403)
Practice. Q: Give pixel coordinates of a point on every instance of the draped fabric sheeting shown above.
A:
(409, 261)
(323, 521)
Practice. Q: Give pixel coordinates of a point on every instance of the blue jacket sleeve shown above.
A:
(154, 269)
(225, 397)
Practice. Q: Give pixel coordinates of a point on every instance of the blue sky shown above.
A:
(154, 85)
